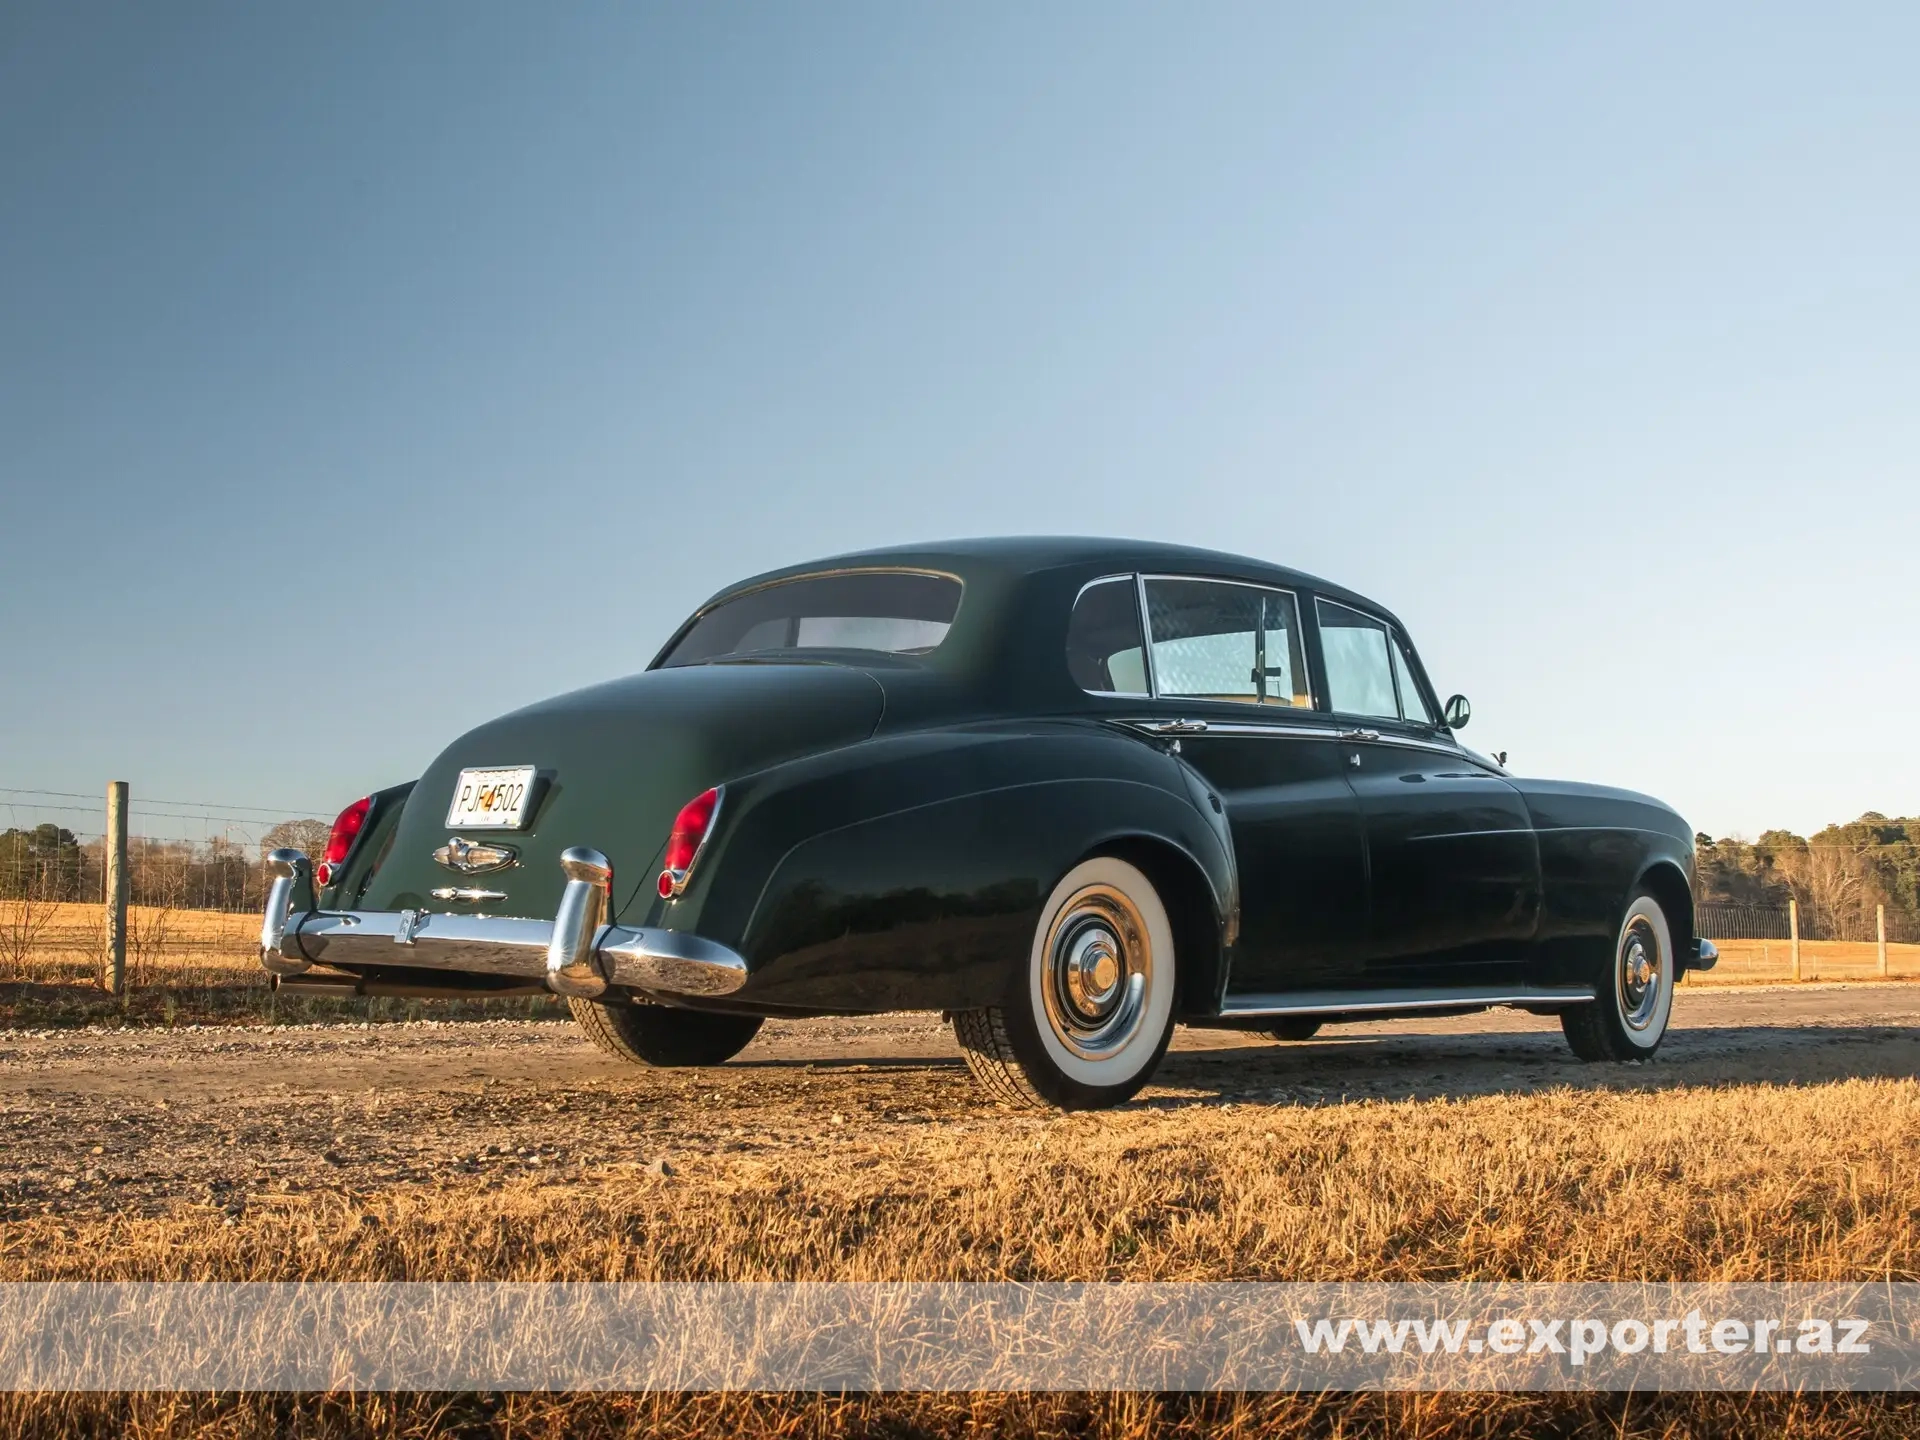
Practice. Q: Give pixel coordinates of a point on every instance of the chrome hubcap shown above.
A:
(1641, 974)
(1099, 966)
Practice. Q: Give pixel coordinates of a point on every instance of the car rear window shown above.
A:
(895, 612)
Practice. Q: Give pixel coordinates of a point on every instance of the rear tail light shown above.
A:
(346, 830)
(690, 829)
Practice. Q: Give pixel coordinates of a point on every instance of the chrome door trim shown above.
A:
(1361, 1002)
(1238, 728)
(1407, 742)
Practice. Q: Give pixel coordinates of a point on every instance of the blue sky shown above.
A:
(368, 370)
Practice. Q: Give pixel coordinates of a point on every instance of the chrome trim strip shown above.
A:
(466, 893)
(1283, 731)
(1242, 728)
(1358, 1002)
(662, 964)
(1146, 636)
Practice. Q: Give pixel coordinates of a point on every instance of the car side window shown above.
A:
(1218, 640)
(1368, 670)
(1413, 704)
(1105, 652)
(1359, 661)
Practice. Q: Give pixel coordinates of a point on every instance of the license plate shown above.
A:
(491, 799)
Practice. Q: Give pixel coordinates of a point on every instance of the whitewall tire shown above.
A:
(1086, 1021)
(1633, 1000)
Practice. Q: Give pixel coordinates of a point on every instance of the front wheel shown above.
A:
(1634, 999)
(1090, 1014)
(659, 1035)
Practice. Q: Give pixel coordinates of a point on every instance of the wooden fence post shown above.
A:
(117, 886)
(1793, 926)
(1880, 930)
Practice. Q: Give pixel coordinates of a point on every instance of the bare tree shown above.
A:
(164, 883)
(307, 836)
(23, 923)
(1833, 885)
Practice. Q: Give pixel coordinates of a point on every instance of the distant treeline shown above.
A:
(48, 862)
(1838, 876)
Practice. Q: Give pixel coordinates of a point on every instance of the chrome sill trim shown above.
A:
(1357, 1002)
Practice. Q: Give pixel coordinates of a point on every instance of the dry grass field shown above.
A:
(1746, 961)
(183, 967)
(1764, 1145)
(891, 1171)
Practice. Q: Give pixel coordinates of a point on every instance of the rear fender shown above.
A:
(909, 872)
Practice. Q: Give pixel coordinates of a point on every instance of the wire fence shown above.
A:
(196, 885)
(1775, 922)
(180, 854)
(198, 882)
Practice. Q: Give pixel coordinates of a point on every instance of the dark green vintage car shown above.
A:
(1071, 792)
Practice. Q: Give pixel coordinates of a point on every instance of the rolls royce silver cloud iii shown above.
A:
(1070, 792)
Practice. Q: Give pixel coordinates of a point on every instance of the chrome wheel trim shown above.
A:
(1099, 969)
(1093, 896)
(1643, 973)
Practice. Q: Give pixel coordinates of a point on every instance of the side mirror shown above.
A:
(1459, 711)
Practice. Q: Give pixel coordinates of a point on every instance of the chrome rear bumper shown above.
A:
(1705, 955)
(575, 954)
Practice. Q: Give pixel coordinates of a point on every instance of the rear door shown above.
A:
(1227, 663)
(1454, 867)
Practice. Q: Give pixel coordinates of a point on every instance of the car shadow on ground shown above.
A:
(1413, 1065)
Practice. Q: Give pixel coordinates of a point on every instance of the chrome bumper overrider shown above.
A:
(1706, 955)
(576, 953)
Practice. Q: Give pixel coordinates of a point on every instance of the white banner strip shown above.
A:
(957, 1337)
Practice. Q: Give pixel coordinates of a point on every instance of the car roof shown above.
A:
(1002, 556)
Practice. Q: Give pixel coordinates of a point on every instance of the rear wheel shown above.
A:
(659, 1035)
(1295, 1027)
(1088, 1017)
(1634, 999)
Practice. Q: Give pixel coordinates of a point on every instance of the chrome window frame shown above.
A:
(1300, 637)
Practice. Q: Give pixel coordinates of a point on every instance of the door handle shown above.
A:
(1179, 727)
(1359, 734)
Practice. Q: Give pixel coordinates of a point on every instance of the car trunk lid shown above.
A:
(614, 763)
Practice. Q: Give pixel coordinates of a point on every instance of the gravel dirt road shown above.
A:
(148, 1121)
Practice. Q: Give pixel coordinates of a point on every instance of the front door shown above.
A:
(1229, 657)
(1454, 866)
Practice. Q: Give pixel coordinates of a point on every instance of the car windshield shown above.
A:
(895, 612)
